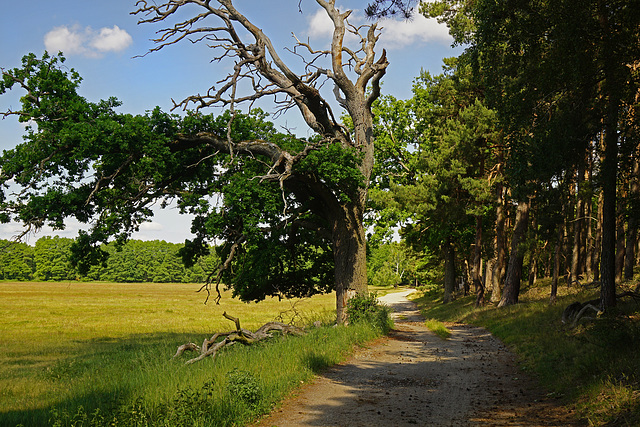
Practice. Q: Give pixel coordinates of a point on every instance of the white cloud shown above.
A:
(64, 39)
(87, 42)
(395, 33)
(151, 226)
(111, 39)
(398, 34)
(320, 24)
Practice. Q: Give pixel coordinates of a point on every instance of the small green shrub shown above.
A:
(245, 387)
(367, 308)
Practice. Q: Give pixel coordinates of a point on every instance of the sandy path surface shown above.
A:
(412, 377)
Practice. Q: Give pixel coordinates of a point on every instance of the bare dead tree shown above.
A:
(355, 75)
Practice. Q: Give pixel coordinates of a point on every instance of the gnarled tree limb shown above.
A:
(211, 346)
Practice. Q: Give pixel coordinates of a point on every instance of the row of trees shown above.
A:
(135, 261)
(527, 146)
(158, 261)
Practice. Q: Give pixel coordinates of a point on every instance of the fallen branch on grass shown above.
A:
(577, 310)
(211, 346)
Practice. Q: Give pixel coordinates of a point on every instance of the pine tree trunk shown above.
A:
(533, 264)
(632, 222)
(577, 229)
(597, 247)
(449, 271)
(610, 95)
(556, 265)
(500, 252)
(570, 231)
(620, 247)
(589, 242)
(477, 263)
(516, 257)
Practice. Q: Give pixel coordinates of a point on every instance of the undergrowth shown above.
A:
(594, 367)
(368, 310)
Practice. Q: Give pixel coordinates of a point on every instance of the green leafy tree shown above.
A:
(445, 189)
(16, 261)
(391, 264)
(291, 210)
(51, 258)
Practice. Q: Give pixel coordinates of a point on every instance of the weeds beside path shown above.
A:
(413, 377)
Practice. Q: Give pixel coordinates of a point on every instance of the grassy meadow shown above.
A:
(86, 353)
(593, 368)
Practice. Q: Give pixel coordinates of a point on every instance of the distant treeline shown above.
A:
(135, 261)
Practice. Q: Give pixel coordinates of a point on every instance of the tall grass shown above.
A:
(100, 354)
(594, 367)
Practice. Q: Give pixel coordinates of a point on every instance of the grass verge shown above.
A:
(594, 367)
(438, 328)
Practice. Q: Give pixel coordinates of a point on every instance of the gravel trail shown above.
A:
(413, 377)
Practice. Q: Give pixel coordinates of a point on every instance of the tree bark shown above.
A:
(589, 242)
(477, 261)
(577, 229)
(449, 270)
(611, 85)
(620, 247)
(632, 222)
(597, 249)
(556, 264)
(511, 290)
(350, 259)
(608, 257)
(499, 267)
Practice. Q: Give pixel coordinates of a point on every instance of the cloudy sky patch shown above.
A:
(395, 33)
(418, 30)
(87, 42)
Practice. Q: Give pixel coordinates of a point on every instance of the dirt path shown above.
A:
(412, 377)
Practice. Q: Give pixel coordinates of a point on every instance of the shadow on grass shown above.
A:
(136, 376)
(101, 373)
(318, 363)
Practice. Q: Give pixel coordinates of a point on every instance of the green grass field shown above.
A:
(104, 346)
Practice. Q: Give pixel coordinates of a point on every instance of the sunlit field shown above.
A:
(59, 340)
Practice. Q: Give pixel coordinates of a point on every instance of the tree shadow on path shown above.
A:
(413, 377)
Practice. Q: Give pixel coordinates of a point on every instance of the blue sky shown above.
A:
(102, 40)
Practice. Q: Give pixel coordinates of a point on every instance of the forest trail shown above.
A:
(413, 377)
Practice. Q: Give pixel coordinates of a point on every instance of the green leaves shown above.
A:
(337, 167)
(441, 148)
